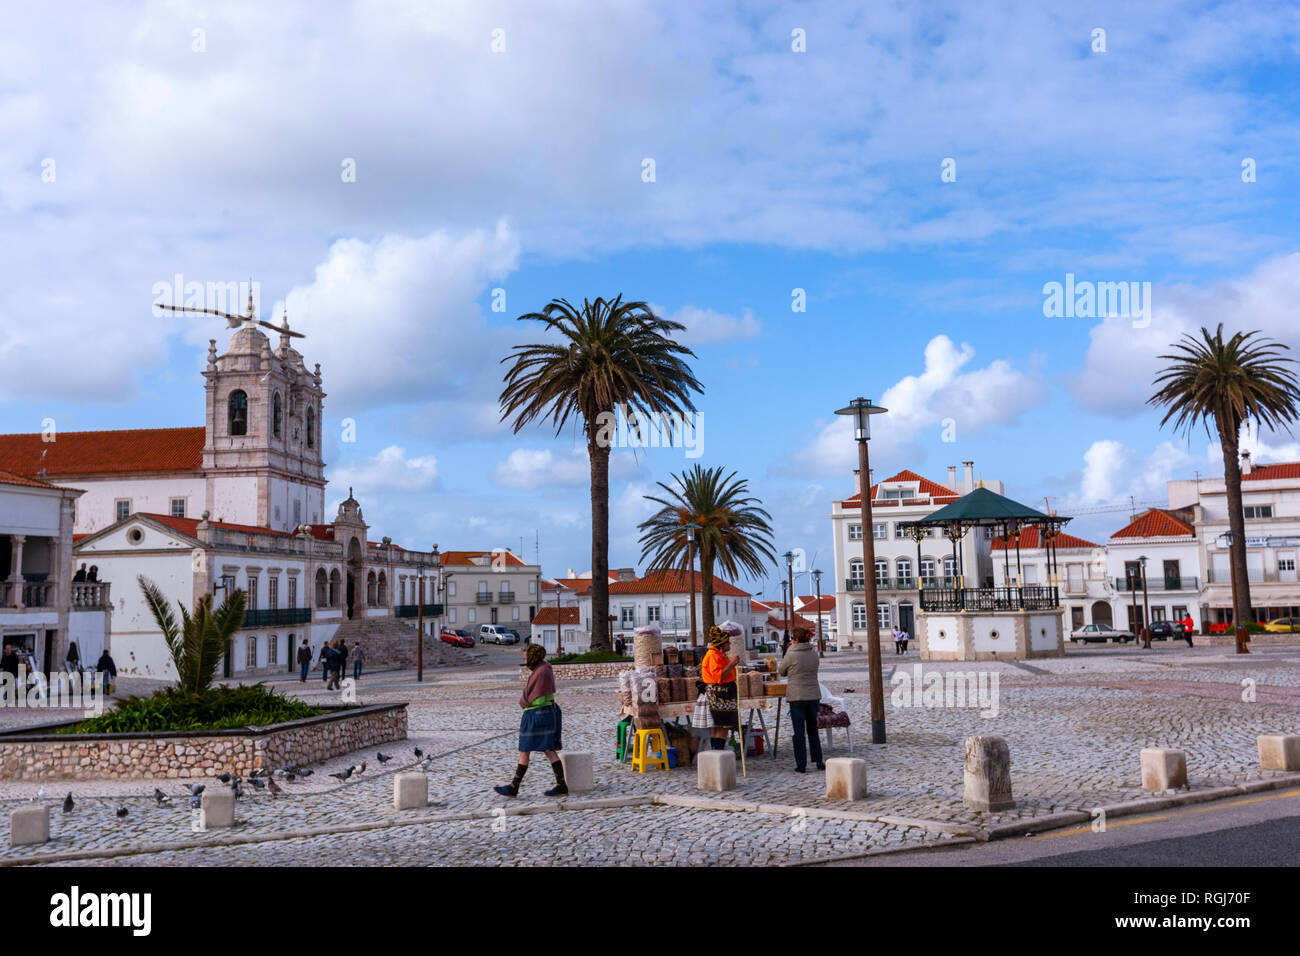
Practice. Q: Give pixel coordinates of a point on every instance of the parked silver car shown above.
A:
(1099, 633)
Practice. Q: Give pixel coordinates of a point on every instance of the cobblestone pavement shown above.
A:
(1074, 726)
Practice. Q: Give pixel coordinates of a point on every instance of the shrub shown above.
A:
(213, 709)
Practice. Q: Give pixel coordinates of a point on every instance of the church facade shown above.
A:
(238, 503)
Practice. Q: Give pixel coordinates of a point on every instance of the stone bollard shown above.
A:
(410, 791)
(1279, 752)
(716, 770)
(578, 775)
(1163, 769)
(30, 824)
(846, 778)
(987, 775)
(217, 809)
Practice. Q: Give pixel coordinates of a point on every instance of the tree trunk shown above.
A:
(1236, 519)
(599, 546)
(706, 591)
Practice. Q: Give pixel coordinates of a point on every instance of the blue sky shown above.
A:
(217, 154)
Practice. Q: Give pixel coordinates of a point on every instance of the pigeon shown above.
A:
(195, 788)
(426, 764)
(304, 772)
(418, 753)
(121, 812)
(68, 804)
(196, 802)
(161, 798)
(274, 787)
(363, 768)
(383, 757)
(225, 778)
(40, 794)
(234, 788)
(257, 782)
(344, 775)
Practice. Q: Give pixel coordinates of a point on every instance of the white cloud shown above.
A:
(533, 468)
(390, 470)
(993, 395)
(707, 327)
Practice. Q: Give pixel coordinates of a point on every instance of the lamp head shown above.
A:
(861, 409)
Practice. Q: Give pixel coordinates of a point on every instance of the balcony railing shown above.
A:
(276, 616)
(91, 594)
(1030, 598)
(899, 584)
(413, 610)
(506, 597)
(1157, 584)
(484, 597)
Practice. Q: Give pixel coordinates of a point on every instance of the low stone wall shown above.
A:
(35, 753)
(584, 671)
(1230, 640)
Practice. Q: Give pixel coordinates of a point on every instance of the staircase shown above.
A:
(390, 643)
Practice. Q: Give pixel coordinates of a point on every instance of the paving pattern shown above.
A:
(1074, 727)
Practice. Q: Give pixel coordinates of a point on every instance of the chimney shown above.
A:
(568, 575)
(969, 478)
(952, 476)
(871, 478)
(857, 481)
(1245, 463)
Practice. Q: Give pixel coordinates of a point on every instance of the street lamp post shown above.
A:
(785, 609)
(861, 409)
(1146, 604)
(789, 608)
(690, 553)
(821, 644)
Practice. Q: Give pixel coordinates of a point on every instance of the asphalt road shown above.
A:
(1258, 830)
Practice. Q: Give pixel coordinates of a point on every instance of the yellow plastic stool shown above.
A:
(641, 750)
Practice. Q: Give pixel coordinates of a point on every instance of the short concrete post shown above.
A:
(846, 778)
(217, 809)
(578, 775)
(410, 791)
(30, 824)
(987, 775)
(1163, 769)
(1279, 752)
(715, 770)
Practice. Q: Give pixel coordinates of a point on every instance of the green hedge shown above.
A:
(216, 708)
(591, 657)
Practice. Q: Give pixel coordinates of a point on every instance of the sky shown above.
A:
(836, 199)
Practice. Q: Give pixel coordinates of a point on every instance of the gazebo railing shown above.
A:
(1040, 597)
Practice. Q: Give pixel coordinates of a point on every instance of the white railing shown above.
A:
(91, 594)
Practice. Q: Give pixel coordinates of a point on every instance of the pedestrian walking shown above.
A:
(333, 666)
(304, 661)
(341, 646)
(718, 671)
(541, 723)
(904, 637)
(803, 696)
(73, 659)
(898, 649)
(325, 662)
(358, 659)
(106, 667)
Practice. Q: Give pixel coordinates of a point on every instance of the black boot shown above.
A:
(560, 789)
(512, 788)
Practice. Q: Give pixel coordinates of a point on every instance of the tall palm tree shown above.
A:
(731, 530)
(1229, 382)
(197, 643)
(611, 356)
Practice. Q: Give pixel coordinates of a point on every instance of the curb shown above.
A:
(884, 851)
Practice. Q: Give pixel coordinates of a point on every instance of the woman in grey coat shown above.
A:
(803, 695)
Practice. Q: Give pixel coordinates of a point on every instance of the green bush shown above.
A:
(213, 709)
(591, 657)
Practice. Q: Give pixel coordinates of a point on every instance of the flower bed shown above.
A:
(43, 753)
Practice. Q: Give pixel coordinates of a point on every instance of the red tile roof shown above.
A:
(776, 621)
(1029, 539)
(9, 478)
(190, 526)
(127, 451)
(546, 615)
(808, 604)
(1270, 472)
(1156, 523)
(578, 585)
(673, 582)
(938, 493)
(465, 558)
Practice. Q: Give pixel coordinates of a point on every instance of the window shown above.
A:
(927, 571)
(250, 655)
(1179, 613)
(1257, 511)
(1158, 612)
(471, 616)
(950, 568)
(451, 588)
(122, 508)
(251, 593)
(904, 566)
(627, 615)
(859, 616)
(896, 493)
(882, 572)
(652, 614)
(238, 413)
(322, 588)
(514, 613)
(273, 591)
(272, 650)
(178, 507)
(293, 592)
(311, 427)
(532, 587)
(679, 614)
(855, 571)
(880, 530)
(882, 616)
(297, 513)
(451, 615)
(275, 415)
(855, 532)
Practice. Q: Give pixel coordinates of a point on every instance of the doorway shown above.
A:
(905, 617)
(1076, 618)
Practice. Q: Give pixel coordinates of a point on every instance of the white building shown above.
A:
(1079, 573)
(490, 587)
(1168, 541)
(41, 608)
(904, 497)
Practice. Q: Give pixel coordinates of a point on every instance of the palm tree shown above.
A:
(611, 355)
(731, 532)
(1229, 382)
(196, 645)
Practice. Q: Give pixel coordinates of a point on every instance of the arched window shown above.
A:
(322, 588)
(859, 616)
(950, 569)
(250, 659)
(336, 586)
(855, 571)
(311, 427)
(383, 589)
(238, 406)
(927, 572)
(882, 572)
(904, 566)
(275, 415)
(371, 589)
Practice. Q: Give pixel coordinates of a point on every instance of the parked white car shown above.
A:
(496, 634)
(1100, 633)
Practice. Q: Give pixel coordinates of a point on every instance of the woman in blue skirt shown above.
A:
(539, 728)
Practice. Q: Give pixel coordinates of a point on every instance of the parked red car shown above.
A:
(456, 637)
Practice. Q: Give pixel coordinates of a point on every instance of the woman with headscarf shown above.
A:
(718, 672)
(540, 725)
(803, 695)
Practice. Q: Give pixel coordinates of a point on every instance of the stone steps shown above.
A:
(390, 643)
